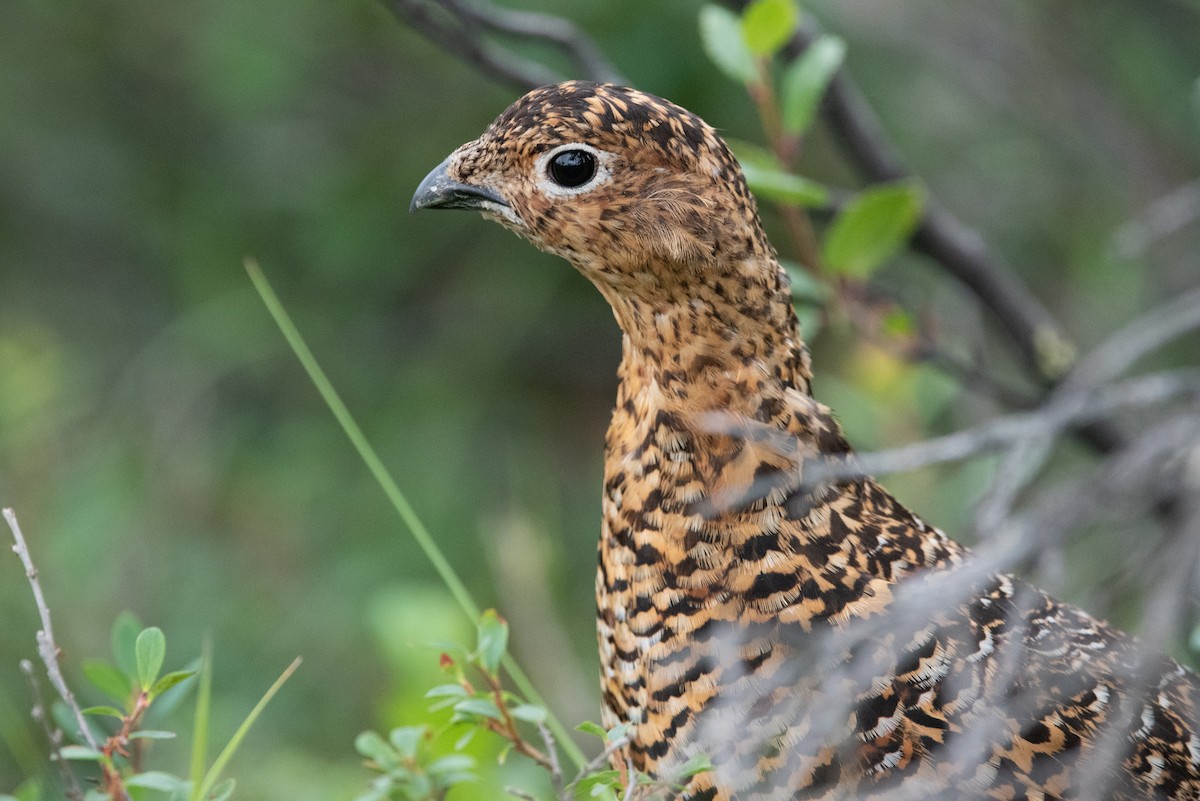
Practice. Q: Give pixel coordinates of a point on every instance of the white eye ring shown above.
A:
(551, 187)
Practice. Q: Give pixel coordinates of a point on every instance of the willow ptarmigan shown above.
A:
(814, 640)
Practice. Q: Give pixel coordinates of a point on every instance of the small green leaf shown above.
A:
(222, 791)
(108, 679)
(806, 287)
(699, 763)
(874, 225)
(721, 34)
(768, 24)
(156, 780)
(152, 734)
(150, 648)
(124, 634)
(80, 752)
(465, 740)
(406, 740)
(111, 711)
(493, 639)
(451, 763)
(529, 713)
(784, 187)
(447, 691)
(478, 706)
(371, 745)
(805, 82)
(170, 680)
(594, 729)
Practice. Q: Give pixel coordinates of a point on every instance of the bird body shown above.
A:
(810, 635)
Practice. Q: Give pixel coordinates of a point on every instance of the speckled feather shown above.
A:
(816, 641)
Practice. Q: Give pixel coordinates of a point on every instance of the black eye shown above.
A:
(572, 168)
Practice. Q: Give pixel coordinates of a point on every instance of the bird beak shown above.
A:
(440, 191)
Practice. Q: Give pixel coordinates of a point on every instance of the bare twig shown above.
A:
(1040, 425)
(556, 31)
(41, 715)
(47, 648)
(556, 774)
(455, 27)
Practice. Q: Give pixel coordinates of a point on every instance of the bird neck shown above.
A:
(722, 338)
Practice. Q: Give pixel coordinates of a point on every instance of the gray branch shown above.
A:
(47, 648)
(458, 27)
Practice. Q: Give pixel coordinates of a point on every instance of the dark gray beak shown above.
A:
(440, 191)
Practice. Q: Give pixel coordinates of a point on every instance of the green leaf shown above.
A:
(528, 713)
(805, 82)
(873, 226)
(451, 763)
(156, 780)
(371, 745)
(150, 648)
(124, 634)
(594, 729)
(806, 287)
(493, 640)
(784, 187)
(80, 752)
(478, 706)
(152, 734)
(447, 691)
(222, 791)
(721, 35)
(170, 680)
(111, 711)
(406, 740)
(699, 763)
(108, 679)
(768, 24)
(465, 740)
(199, 753)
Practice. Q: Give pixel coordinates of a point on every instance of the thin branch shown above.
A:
(556, 31)
(958, 249)
(455, 27)
(41, 715)
(1040, 425)
(504, 66)
(47, 648)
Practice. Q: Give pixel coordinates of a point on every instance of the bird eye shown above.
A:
(572, 168)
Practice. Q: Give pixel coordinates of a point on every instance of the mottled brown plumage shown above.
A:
(815, 639)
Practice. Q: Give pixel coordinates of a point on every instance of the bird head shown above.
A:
(636, 192)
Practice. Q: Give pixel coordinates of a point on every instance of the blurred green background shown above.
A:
(166, 454)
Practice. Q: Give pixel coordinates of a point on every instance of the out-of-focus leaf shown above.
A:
(721, 34)
(108, 679)
(768, 24)
(222, 792)
(874, 225)
(152, 734)
(125, 631)
(156, 780)
(493, 639)
(529, 713)
(478, 706)
(111, 711)
(81, 752)
(371, 745)
(784, 187)
(805, 82)
(407, 740)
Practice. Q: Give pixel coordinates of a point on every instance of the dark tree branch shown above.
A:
(457, 27)
(960, 250)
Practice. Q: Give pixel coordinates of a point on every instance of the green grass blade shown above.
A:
(395, 496)
(200, 726)
(218, 765)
